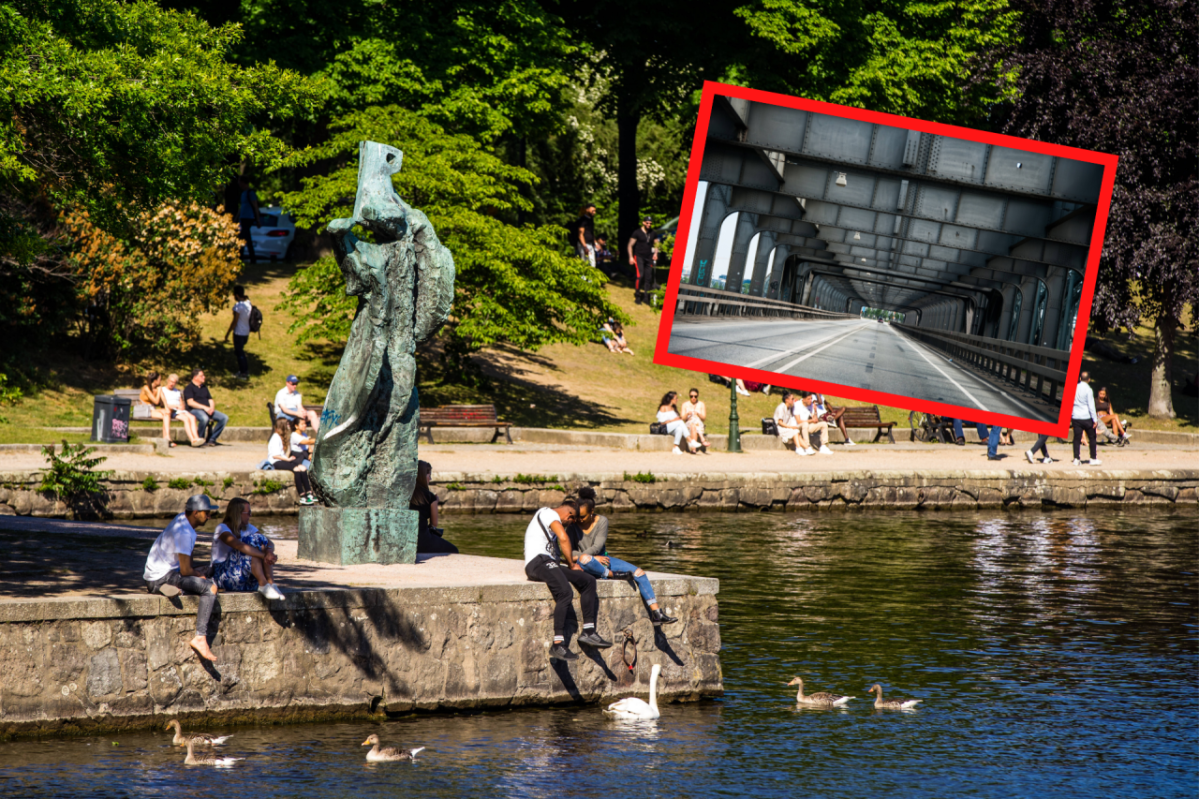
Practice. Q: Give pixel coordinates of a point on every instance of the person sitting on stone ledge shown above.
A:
(424, 502)
(787, 426)
(589, 540)
(170, 565)
(278, 451)
(809, 424)
(243, 559)
(547, 543)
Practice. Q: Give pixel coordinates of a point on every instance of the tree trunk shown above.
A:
(627, 119)
(1161, 384)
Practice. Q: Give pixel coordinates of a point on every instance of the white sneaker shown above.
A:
(809, 451)
(802, 452)
(824, 450)
(1077, 462)
(676, 451)
(849, 442)
(1031, 458)
(742, 392)
(1095, 462)
(1048, 460)
(269, 591)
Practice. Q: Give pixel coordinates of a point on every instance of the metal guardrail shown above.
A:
(1041, 370)
(701, 301)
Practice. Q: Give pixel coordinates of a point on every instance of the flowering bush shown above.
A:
(147, 292)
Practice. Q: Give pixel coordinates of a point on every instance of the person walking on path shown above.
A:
(641, 258)
(584, 233)
(1042, 442)
(248, 215)
(169, 565)
(546, 543)
(1084, 419)
(200, 404)
(243, 559)
(239, 328)
(589, 539)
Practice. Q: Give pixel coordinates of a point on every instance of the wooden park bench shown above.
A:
(866, 417)
(462, 416)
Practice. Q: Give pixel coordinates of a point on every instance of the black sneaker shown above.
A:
(560, 652)
(593, 639)
(619, 575)
(659, 617)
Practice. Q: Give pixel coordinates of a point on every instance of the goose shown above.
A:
(892, 704)
(199, 738)
(820, 699)
(389, 753)
(634, 708)
(193, 759)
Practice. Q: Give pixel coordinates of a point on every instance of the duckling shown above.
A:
(193, 759)
(200, 739)
(387, 754)
(891, 704)
(821, 699)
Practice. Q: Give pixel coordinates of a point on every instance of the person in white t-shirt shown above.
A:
(787, 425)
(239, 327)
(546, 544)
(809, 423)
(169, 567)
(243, 559)
(278, 452)
(290, 405)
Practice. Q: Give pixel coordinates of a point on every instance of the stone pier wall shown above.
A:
(129, 498)
(89, 665)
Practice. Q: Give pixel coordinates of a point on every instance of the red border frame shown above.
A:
(1107, 161)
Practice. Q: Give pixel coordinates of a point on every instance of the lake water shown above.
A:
(1056, 654)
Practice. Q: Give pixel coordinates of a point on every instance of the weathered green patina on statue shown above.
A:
(364, 465)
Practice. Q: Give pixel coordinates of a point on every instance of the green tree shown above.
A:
(112, 108)
(515, 284)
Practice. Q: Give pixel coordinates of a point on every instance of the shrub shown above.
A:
(149, 484)
(73, 477)
(228, 481)
(640, 477)
(266, 487)
(180, 482)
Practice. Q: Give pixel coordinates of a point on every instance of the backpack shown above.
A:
(256, 320)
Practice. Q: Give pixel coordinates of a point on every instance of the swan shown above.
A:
(193, 759)
(634, 708)
(200, 739)
(820, 699)
(892, 704)
(389, 753)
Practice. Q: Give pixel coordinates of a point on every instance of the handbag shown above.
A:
(658, 429)
(769, 428)
(142, 411)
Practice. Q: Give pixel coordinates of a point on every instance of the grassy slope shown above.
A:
(560, 386)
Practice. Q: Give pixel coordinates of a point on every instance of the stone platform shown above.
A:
(84, 650)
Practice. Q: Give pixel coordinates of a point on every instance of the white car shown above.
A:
(273, 240)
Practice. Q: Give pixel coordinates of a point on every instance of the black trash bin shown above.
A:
(110, 419)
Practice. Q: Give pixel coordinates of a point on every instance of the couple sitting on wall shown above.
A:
(567, 546)
(797, 420)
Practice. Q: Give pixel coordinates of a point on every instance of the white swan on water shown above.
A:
(634, 708)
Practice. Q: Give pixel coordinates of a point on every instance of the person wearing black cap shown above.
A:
(641, 258)
(169, 568)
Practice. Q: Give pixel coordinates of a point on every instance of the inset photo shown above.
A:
(886, 259)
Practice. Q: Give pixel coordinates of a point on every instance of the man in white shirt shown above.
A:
(239, 327)
(1084, 418)
(546, 544)
(169, 566)
(809, 422)
(788, 426)
(290, 405)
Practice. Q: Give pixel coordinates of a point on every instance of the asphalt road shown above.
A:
(850, 352)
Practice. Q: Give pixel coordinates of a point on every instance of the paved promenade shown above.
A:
(551, 459)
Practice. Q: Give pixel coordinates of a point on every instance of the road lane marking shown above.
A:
(779, 355)
(919, 351)
(783, 369)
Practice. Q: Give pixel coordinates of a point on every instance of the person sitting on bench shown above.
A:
(546, 543)
(170, 565)
(589, 540)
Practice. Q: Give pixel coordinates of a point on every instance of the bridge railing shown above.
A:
(701, 301)
(1040, 370)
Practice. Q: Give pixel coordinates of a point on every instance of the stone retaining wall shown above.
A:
(88, 665)
(472, 493)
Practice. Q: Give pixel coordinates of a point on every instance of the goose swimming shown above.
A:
(633, 708)
(820, 699)
(193, 759)
(388, 754)
(200, 739)
(892, 704)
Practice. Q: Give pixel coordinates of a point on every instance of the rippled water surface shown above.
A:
(1056, 655)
